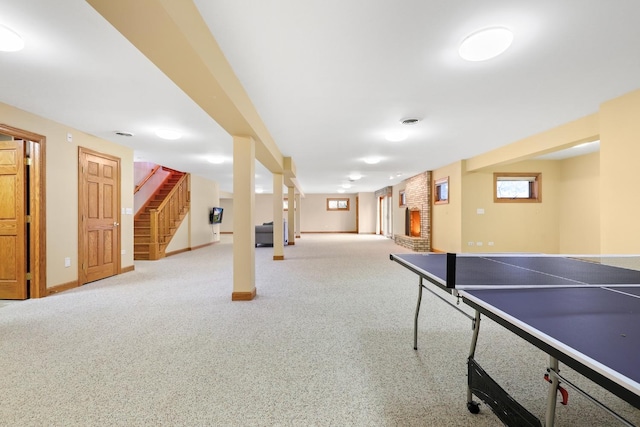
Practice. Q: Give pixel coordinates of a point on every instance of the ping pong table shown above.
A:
(583, 313)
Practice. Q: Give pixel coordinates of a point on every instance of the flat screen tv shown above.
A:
(215, 216)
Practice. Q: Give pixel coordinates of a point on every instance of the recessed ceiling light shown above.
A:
(396, 136)
(485, 44)
(10, 41)
(216, 160)
(346, 185)
(168, 134)
(355, 177)
(372, 160)
(340, 190)
(123, 133)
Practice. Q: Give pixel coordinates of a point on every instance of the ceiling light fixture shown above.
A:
(396, 136)
(216, 160)
(372, 160)
(10, 41)
(168, 134)
(485, 44)
(355, 177)
(124, 133)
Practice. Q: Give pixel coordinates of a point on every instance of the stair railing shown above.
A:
(146, 178)
(167, 217)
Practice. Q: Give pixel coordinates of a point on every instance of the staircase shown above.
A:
(157, 222)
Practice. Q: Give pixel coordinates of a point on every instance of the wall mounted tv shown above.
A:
(215, 215)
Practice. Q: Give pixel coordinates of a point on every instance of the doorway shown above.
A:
(384, 216)
(22, 214)
(98, 216)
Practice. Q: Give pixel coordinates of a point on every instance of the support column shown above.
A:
(291, 196)
(278, 217)
(244, 265)
(297, 222)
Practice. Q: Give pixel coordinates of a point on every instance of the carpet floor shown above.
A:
(328, 341)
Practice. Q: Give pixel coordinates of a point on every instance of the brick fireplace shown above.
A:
(414, 223)
(417, 214)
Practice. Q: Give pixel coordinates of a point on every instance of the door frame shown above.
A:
(37, 192)
(82, 276)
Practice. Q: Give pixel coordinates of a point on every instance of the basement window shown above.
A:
(523, 187)
(337, 204)
(441, 191)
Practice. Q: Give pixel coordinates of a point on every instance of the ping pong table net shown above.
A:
(541, 270)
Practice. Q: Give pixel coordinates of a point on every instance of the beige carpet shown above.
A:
(326, 342)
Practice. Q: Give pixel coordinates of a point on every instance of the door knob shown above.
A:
(115, 224)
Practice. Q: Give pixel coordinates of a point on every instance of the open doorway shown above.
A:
(22, 214)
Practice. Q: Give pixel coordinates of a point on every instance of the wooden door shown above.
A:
(99, 206)
(13, 232)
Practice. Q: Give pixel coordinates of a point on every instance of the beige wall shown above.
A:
(579, 210)
(367, 214)
(398, 211)
(195, 230)
(446, 221)
(590, 203)
(227, 215)
(264, 209)
(567, 220)
(62, 190)
(314, 216)
(510, 227)
(619, 177)
(204, 196)
(62, 196)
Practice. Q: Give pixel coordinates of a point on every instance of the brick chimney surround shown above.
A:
(417, 192)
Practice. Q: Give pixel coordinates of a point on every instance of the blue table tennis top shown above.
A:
(600, 327)
(499, 270)
(597, 326)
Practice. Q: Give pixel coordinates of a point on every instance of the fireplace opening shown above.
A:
(414, 223)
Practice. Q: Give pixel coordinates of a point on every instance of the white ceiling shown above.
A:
(330, 77)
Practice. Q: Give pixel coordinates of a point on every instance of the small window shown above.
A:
(517, 187)
(403, 198)
(441, 191)
(337, 204)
